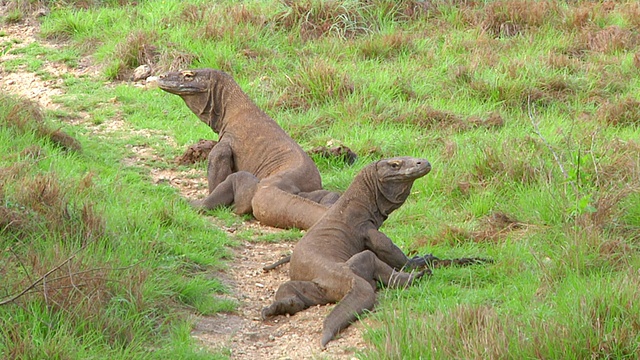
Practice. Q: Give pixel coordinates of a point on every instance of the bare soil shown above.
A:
(242, 335)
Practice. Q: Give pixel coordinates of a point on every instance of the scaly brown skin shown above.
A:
(255, 166)
(344, 255)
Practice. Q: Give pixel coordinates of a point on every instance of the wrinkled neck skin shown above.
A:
(377, 199)
(390, 195)
(212, 105)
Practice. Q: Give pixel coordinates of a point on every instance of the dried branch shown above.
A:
(40, 279)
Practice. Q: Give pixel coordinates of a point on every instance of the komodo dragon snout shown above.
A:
(344, 255)
(255, 166)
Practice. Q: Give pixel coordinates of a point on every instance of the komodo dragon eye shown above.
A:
(188, 75)
(395, 165)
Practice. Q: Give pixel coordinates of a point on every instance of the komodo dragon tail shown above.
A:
(428, 261)
(360, 297)
(431, 261)
(278, 208)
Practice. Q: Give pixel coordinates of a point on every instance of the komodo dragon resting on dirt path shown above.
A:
(255, 165)
(343, 255)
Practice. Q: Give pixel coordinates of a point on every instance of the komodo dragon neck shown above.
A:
(223, 100)
(384, 196)
(211, 94)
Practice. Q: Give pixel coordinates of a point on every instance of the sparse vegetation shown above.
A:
(528, 110)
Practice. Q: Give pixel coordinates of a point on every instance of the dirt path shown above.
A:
(243, 335)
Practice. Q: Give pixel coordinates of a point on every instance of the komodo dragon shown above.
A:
(255, 166)
(341, 258)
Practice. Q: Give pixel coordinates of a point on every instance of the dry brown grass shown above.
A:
(314, 19)
(610, 39)
(26, 116)
(620, 112)
(509, 18)
(315, 82)
(516, 162)
(137, 49)
(234, 21)
(386, 46)
(41, 200)
(426, 117)
(493, 228)
(307, 131)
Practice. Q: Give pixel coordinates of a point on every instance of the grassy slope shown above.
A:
(131, 254)
(528, 111)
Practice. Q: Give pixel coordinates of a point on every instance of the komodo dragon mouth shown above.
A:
(185, 82)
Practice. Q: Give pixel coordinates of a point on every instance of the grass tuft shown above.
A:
(510, 18)
(622, 112)
(314, 19)
(26, 117)
(316, 82)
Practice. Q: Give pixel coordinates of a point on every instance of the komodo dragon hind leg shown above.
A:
(237, 190)
(275, 207)
(295, 296)
(323, 197)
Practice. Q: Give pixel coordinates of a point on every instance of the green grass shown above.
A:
(131, 255)
(528, 111)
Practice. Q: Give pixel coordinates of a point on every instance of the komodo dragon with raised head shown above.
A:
(343, 255)
(255, 166)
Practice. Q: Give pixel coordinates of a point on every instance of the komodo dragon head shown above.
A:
(393, 179)
(206, 92)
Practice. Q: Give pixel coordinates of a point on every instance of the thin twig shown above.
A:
(546, 143)
(20, 262)
(40, 279)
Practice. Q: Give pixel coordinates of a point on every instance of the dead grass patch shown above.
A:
(386, 46)
(234, 21)
(510, 165)
(137, 49)
(72, 288)
(540, 92)
(492, 228)
(586, 13)
(622, 166)
(314, 19)
(307, 131)
(621, 112)
(610, 39)
(509, 18)
(42, 202)
(174, 60)
(616, 252)
(196, 153)
(315, 82)
(427, 118)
